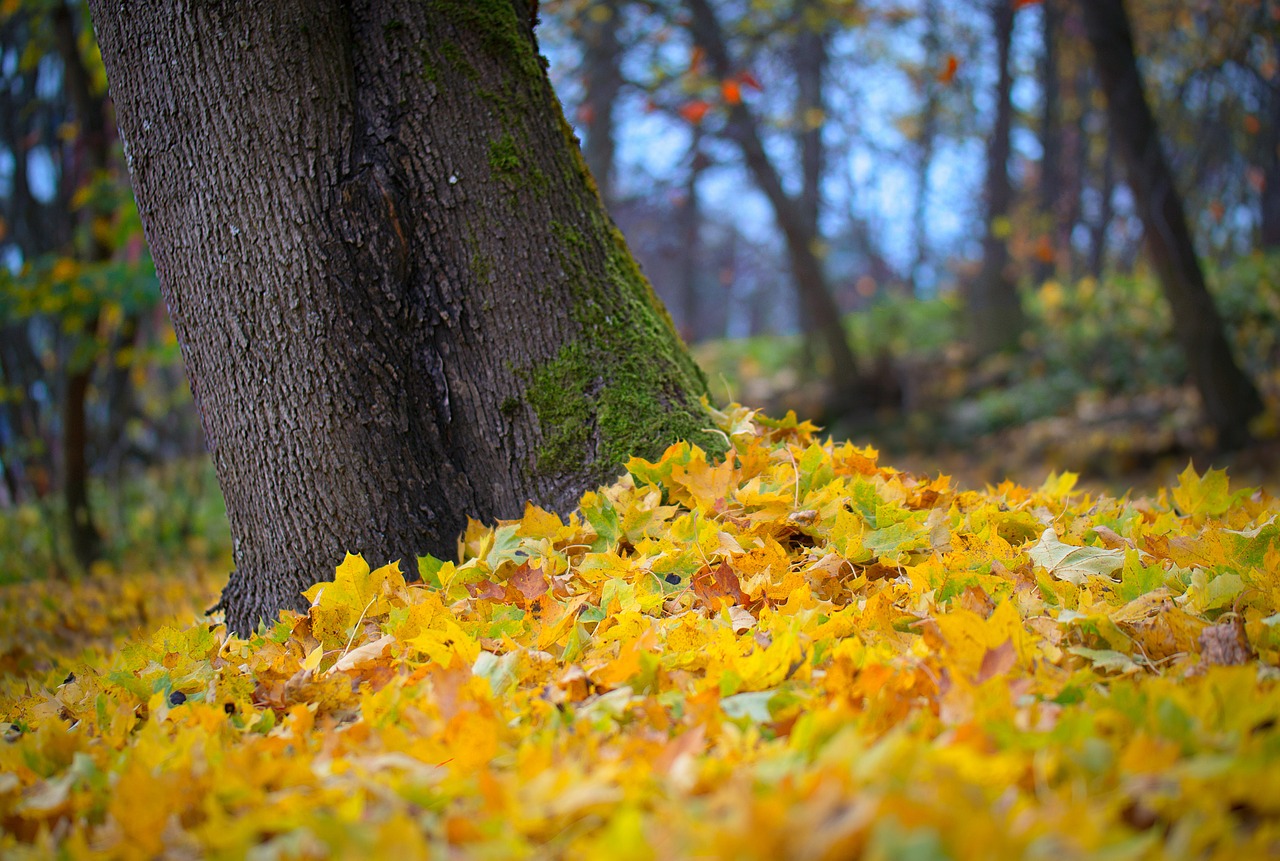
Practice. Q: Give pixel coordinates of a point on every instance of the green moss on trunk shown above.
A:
(623, 384)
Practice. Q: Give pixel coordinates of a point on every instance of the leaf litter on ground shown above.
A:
(792, 653)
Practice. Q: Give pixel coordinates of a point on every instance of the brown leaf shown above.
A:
(997, 661)
(1225, 644)
(718, 587)
(531, 582)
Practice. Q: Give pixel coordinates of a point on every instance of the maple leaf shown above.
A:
(1202, 495)
(1071, 563)
(718, 587)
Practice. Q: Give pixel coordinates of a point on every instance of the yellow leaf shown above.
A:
(312, 661)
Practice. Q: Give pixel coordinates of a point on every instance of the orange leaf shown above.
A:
(1018, 4)
(948, 73)
(694, 111)
(1251, 124)
(749, 81)
(732, 92)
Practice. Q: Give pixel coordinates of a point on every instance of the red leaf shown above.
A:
(694, 111)
(731, 92)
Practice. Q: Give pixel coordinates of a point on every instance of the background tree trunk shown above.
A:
(1230, 399)
(810, 63)
(92, 159)
(926, 142)
(1269, 194)
(816, 299)
(689, 219)
(602, 73)
(399, 298)
(995, 312)
(1049, 192)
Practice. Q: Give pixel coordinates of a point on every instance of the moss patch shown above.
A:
(500, 30)
(506, 166)
(627, 386)
(503, 158)
(558, 393)
(455, 57)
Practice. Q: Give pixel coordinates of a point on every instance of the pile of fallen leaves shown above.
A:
(794, 653)
(44, 623)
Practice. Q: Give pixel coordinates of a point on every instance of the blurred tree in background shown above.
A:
(92, 380)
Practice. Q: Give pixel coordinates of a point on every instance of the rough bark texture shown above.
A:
(398, 296)
(1230, 400)
(995, 313)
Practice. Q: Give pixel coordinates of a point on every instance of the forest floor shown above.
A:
(796, 652)
(1120, 442)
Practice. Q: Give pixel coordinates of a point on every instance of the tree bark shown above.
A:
(1230, 399)
(1100, 227)
(399, 298)
(995, 312)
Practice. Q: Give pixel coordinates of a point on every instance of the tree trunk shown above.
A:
(1050, 190)
(810, 63)
(602, 69)
(995, 313)
(92, 156)
(926, 142)
(689, 229)
(1269, 195)
(1230, 400)
(806, 269)
(399, 298)
(1101, 226)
